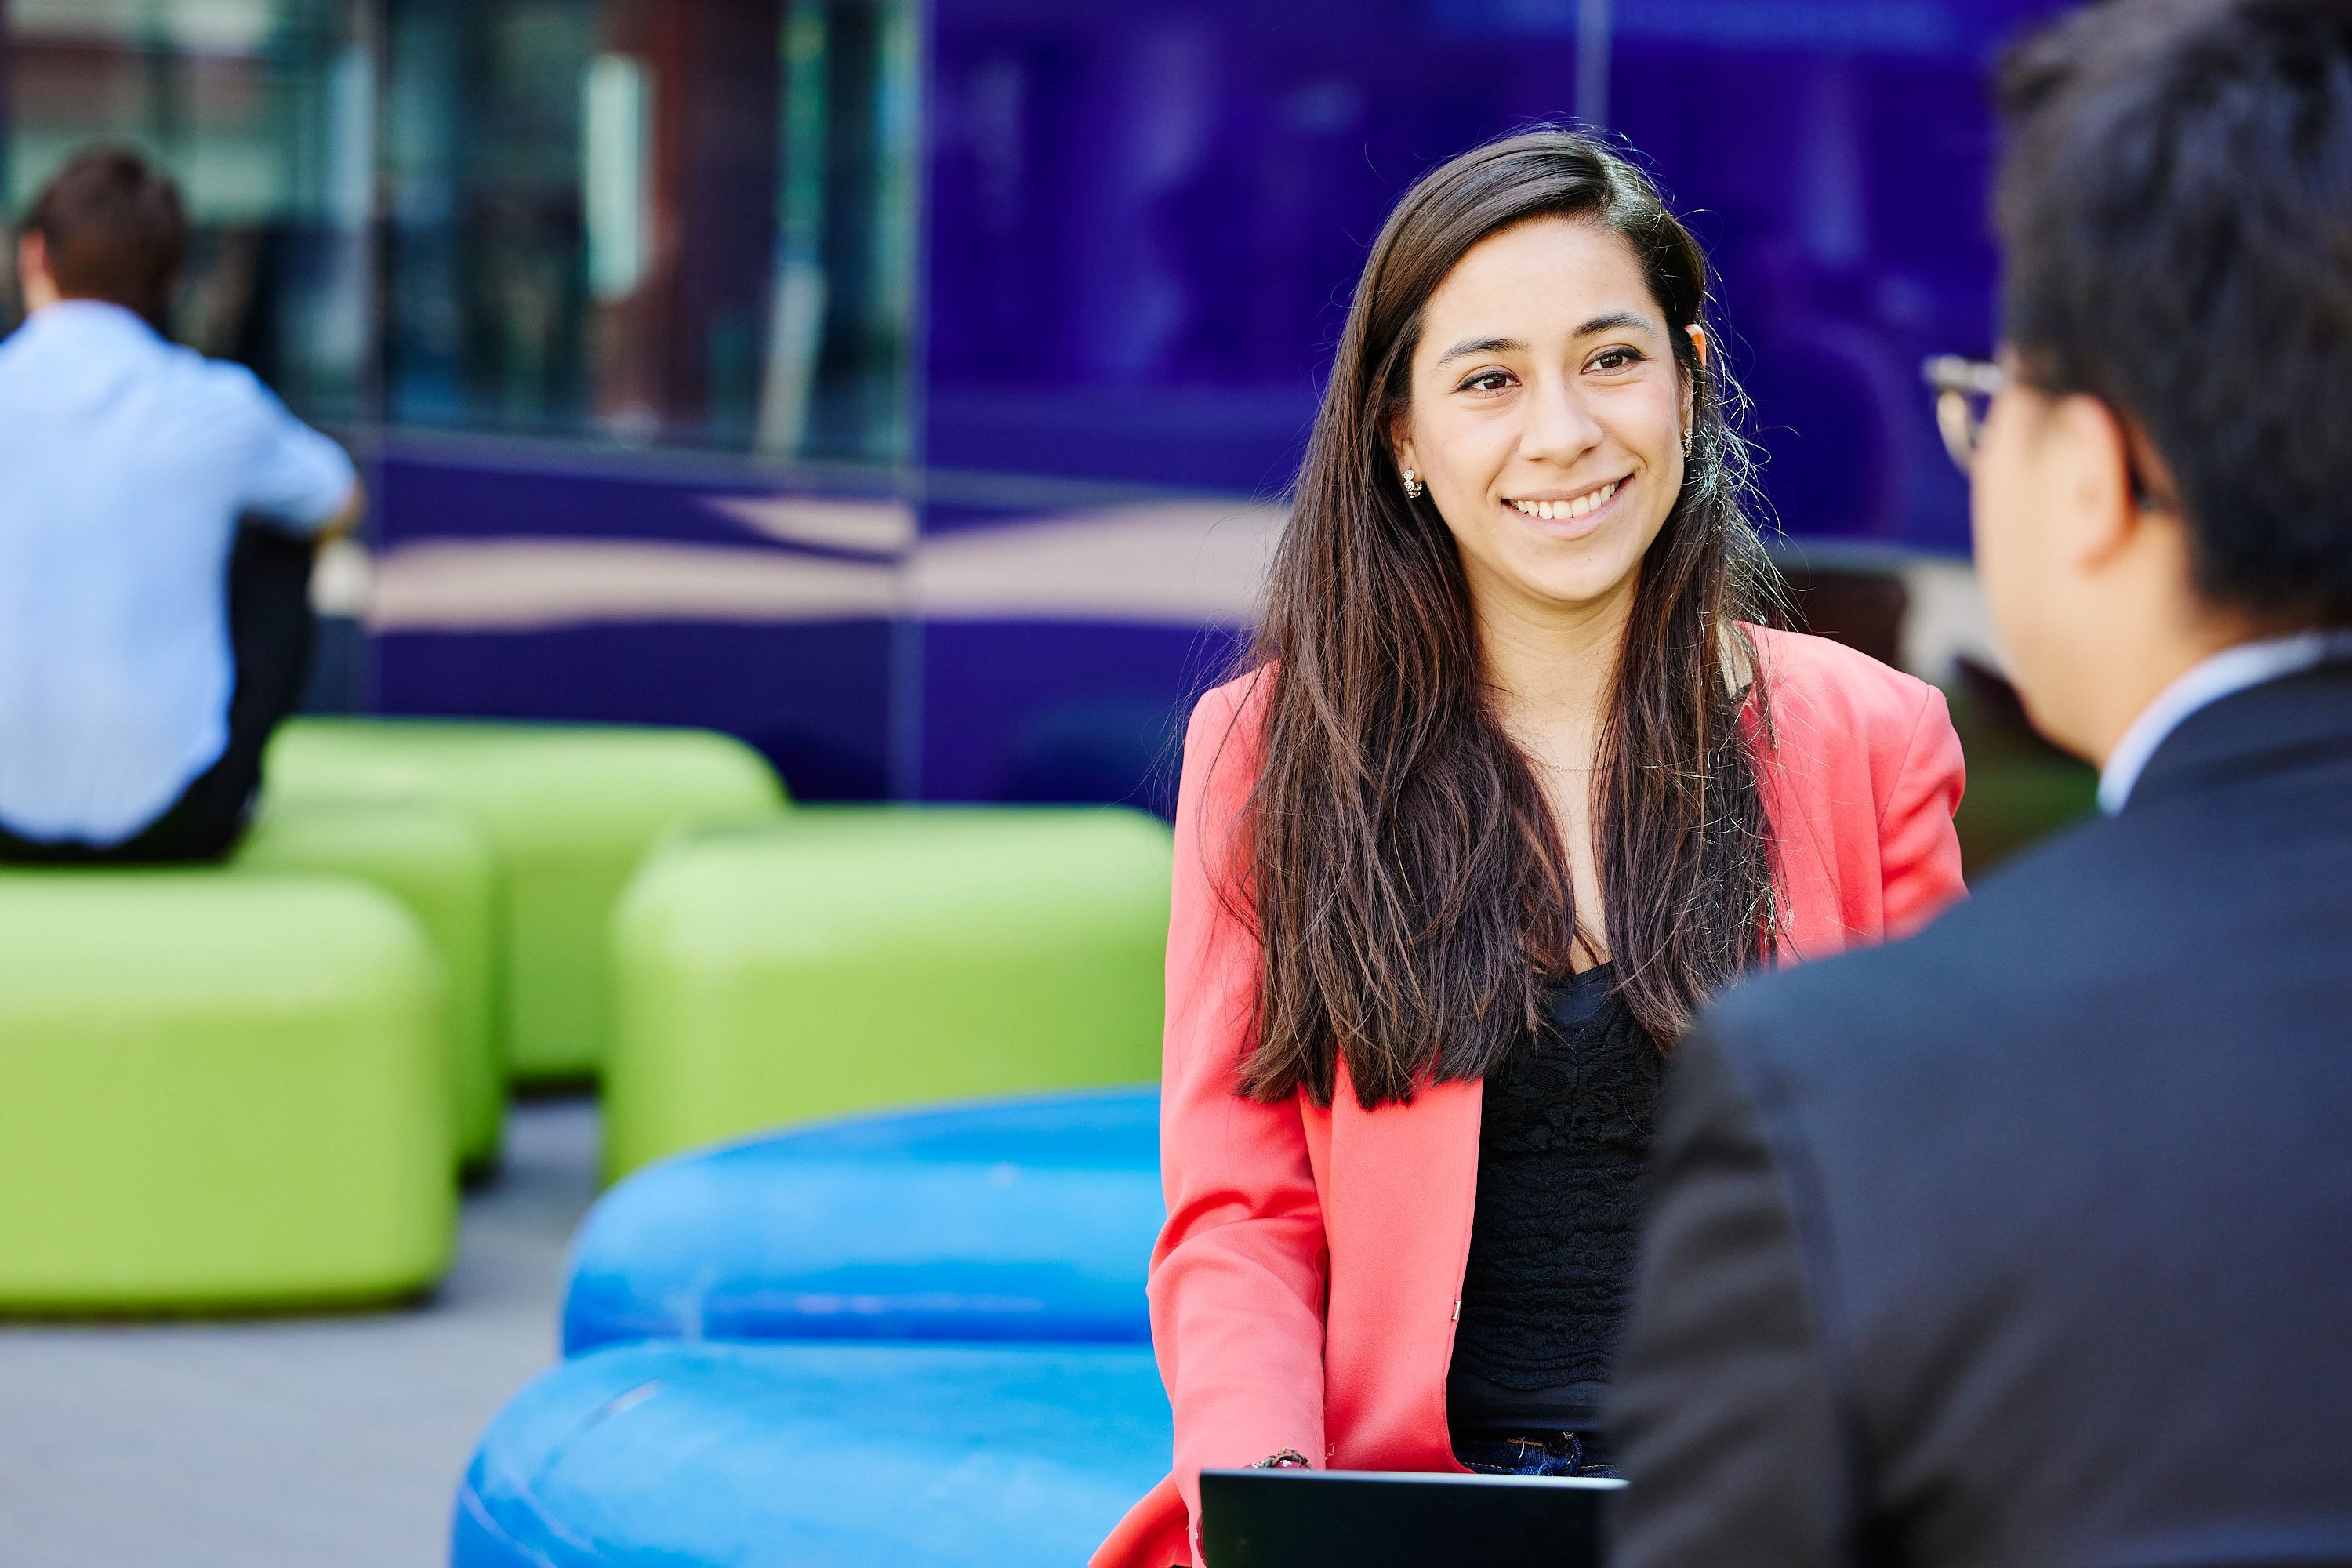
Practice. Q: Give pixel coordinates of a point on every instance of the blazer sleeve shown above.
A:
(1726, 1420)
(1919, 848)
(1237, 1283)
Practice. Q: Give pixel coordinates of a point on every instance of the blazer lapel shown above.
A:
(2265, 728)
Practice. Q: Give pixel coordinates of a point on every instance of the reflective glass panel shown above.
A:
(654, 222)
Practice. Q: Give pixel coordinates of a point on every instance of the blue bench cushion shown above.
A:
(1023, 1219)
(815, 1456)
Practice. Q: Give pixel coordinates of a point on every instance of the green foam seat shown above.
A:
(846, 960)
(219, 1089)
(433, 861)
(569, 810)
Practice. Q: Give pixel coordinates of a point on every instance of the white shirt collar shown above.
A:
(85, 315)
(2225, 674)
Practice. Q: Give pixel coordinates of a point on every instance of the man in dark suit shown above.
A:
(2030, 1240)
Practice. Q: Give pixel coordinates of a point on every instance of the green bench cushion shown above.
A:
(847, 959)
(431, 859)
(218, 1089)
(569, 810)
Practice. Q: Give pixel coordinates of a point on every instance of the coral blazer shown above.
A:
(1304, 1290)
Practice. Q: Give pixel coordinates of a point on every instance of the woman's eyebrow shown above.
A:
(1469, 346)
(1616, 321)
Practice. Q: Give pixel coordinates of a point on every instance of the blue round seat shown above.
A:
(815, 1456)
(1027, 1219)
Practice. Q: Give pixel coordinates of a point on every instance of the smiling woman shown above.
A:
(1515, 780)
(1580, 689)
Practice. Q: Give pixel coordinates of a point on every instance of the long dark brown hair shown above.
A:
(1411, 890)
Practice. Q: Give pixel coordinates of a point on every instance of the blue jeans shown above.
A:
(1538, 1453)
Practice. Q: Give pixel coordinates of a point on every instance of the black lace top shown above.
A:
(1560, 1157)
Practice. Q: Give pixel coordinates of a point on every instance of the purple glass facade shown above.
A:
(1142, 228)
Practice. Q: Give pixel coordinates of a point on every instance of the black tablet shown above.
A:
(1381, 1519)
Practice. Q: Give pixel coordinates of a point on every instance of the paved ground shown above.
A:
(294, 1443)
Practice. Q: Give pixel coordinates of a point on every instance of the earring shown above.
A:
(1412, 485)
(1686, 443)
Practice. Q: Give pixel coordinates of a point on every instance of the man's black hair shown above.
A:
(114, 229)
(2176, 206)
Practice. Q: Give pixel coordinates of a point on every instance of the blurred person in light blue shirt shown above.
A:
(158, 516)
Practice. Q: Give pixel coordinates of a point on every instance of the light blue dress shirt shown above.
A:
(125, 463)
(2224, 674)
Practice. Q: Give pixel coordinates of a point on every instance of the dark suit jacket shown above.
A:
(2030, 1240)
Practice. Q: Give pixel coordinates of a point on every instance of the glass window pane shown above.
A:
(677, 222)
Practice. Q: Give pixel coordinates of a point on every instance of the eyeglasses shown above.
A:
(1964, 389)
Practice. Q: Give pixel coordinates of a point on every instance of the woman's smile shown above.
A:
(1570, 514)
